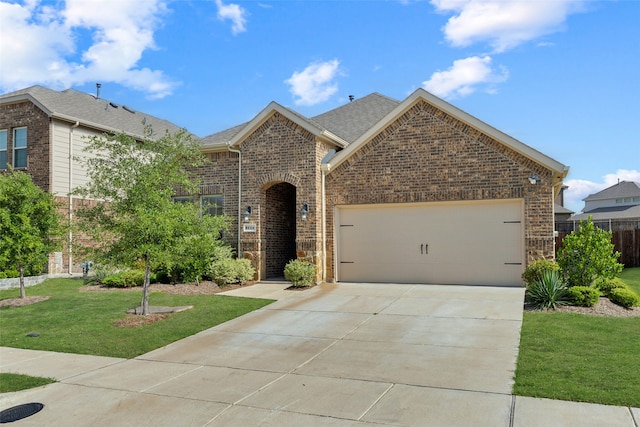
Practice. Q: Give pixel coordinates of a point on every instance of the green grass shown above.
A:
(83, 322)
(582, 358)
(631, 276)
(17, 382)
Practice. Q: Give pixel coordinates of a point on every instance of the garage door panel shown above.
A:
(466, 243)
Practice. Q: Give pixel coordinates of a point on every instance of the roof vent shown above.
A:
(98, 86)
(124, 107)
(351, 98)
(113, 105)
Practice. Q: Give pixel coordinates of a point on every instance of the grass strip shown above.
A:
(17, 382)
(84, 322)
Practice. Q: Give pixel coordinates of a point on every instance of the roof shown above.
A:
(561, 209)
(620, 190)
(614, 212)
(355, 118)
(342, 125)
(75, 106)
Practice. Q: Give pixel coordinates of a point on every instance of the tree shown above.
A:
(137, 220)
(30, 224)
(588, 254)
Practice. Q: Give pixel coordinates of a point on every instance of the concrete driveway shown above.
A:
(347, 354)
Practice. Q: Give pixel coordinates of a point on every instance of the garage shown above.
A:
(469, 243)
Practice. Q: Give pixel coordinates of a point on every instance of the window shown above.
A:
(3, 149)
(211, 205)
(20, 148)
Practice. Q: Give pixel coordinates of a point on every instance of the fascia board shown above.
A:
(558, 168)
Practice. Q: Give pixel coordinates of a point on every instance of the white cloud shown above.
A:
(580, 188)
(504, 24)
(464, 77)
(314, 84)
(40, 42)
(234, 13)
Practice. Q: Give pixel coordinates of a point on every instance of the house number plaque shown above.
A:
(249, 228)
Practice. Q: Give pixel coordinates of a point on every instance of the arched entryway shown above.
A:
(280, 228)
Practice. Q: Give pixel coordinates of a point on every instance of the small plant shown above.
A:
(584, 296)
(624, 297)
(607, 285)
(100, 273)
(300, 273)
(229, 270)
(587, 255)
(547, 293)
(535, 270)
(124, 279)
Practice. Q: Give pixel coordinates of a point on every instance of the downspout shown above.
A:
(73, 126)
(324, 168)
(239, 254)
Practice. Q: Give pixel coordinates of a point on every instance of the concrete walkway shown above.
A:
(347, 355)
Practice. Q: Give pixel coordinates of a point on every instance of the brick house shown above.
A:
(41, 130)
(378, 190)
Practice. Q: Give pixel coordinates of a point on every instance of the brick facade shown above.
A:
(26, 114)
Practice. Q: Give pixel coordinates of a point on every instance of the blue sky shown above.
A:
(559, 75)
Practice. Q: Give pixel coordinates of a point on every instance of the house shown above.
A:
(561, 213)
(379, 190)
(621, 201)
(42, 130)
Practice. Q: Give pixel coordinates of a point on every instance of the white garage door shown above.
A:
(471, 243)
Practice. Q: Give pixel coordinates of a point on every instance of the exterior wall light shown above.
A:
(533, 179)
(304, 211)
(247, 214)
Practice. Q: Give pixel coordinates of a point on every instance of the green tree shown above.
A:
(138, 221)
(588, 254)
(30, 224)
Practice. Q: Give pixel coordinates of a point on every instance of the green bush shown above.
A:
(535, 270)
(300, 273)
(244, 270)
(607, 285)
(548, 292)
(624, 297)
(587, 255)
(584, 296)
(228, 270)
(99, 274)
(10, 274)
(124, 279)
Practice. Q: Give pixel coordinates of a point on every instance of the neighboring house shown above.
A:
(379, 190)
(41, 130)
(618, 202)
(560, 212)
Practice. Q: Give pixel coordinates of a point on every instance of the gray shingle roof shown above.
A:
(347, 122)
(617, 191)
(615, 212)
(83, 107)
(353, 119)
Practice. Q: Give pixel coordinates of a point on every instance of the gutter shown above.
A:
(73, 126)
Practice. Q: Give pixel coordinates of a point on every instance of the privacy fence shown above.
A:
(625, 237)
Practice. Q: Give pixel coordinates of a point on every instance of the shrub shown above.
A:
(223, 272)
(535, 270)
(624, 297)
(548, 292)
(100, 273)
(584, 296)
(244, 270)
(300, 273)
(10, 274)
(588, 254)
(607, 285)
(124, 279)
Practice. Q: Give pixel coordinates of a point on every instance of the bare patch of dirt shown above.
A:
(604, 307)
(21, 302)
(135, 320)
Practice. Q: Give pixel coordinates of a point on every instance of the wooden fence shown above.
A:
(625, 237)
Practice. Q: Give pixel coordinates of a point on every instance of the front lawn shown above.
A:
(17, 382)
(579, 357)
(84, 322)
